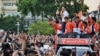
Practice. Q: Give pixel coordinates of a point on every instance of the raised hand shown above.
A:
(23, 36)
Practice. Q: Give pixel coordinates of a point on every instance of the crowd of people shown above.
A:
(77, 27)
(23, 44)
(64, 25)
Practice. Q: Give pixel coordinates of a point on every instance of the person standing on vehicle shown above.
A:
(75, 25)
(85, 30)
(68, 28)
(57, 26)
(94, 27)
(64, 13)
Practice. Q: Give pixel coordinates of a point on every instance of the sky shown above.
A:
(93, 4)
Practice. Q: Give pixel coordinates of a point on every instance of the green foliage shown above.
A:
(49, 7)
(36, 7)
(25, 6)
(73, 6)
(8, 23)
(43, 28)
(46, 6)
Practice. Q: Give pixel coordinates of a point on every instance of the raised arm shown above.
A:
(23, 38)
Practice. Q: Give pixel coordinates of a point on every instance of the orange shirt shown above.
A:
(81, 27)
(87, 30)
(56, 26)
(89, 19)
(96, 27)
(53, 24)
(73, 25)
(69, 27)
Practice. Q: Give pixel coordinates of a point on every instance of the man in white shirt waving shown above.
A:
(64, 14)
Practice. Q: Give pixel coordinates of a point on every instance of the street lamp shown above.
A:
(17, 24)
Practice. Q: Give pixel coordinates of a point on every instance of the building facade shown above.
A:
(8, 7)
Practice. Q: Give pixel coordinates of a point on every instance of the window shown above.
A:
(14, 4)
(9, 4)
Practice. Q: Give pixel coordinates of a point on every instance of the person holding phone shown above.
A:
(64, 13)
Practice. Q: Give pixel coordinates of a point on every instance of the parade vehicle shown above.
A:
(78, 45)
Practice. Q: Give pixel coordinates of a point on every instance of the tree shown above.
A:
(73, 6)
(26, 6)
(43, 28)
(49, 7)
(9, 23)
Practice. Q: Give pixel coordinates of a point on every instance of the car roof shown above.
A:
(81, 48)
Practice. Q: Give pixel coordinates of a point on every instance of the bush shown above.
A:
(43, 28)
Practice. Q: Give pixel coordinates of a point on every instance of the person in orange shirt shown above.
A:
(57, 26)
(68, 28)
(75, 25)
(86, 28)
(94, 27)
(80, 27)
(53, 24)
(89, 19)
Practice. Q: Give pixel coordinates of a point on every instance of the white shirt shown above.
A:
(77, 30)
(65, 14)
(59, 32)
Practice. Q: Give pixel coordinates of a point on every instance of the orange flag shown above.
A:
(79, 14)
